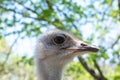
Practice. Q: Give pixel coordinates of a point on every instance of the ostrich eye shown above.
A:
(59, 39)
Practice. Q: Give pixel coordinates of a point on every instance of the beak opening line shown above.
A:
(84, 48)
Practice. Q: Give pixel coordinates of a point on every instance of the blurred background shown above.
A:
(93, 21)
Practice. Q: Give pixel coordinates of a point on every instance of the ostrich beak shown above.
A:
(84, 47)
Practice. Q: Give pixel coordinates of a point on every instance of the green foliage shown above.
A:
(75, 71)
(18, 68)
(29, 18)
(4, 47)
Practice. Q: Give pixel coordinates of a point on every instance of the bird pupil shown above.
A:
(59, 39)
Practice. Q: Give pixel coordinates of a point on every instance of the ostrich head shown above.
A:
(56, 48)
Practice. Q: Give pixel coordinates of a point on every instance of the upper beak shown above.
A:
(84, 47)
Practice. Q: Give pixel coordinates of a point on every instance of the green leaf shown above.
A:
(70, 19)
(1, 28)
(117, 68)
(104, 55)
(109, 2)
(28, 33)
(114, 14)
(116, 53)
(1, 1)
(98, 27)
(0, 36)
(26, 14)
(117, 77)
(47, 13)
(10, 24)
(5, 20)
(0, 20)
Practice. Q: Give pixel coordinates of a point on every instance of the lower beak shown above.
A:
(88, 48)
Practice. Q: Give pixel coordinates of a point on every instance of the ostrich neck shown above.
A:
(48, 70)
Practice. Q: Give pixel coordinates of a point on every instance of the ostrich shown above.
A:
(54, 50)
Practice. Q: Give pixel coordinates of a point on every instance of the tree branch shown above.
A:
(99, 70)
(116, 41)
(8, 54)
(33, 11)
(11, 47)
(72, 23)
(13, 10)
(57, 20)
(119, 9)
(90, 70)
(49, 5)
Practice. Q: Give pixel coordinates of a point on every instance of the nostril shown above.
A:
(83, 44)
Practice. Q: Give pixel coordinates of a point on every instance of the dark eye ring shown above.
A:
(59, 39)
